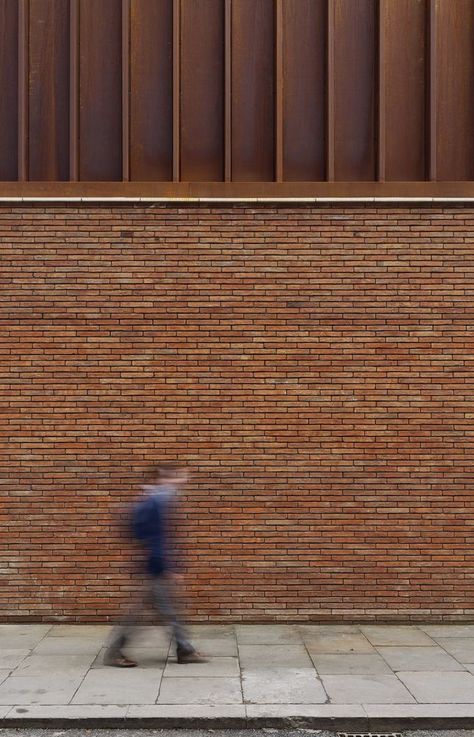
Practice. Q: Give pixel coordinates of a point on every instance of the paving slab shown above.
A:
(216, 646)
(418, 658)
(395, 635)
(146, 657)
(424, 711)
(9, 659)
(216, 667)
(431, 688)
(25, 630)
(4, 710)
(461, 648)
(357, 689)
(372, 675)
(21, 637)
(307, 630)
(214, 631)
(4, 674)
(30, 690)
(324, 711)
(69, 711)
(200, 691)
(256, 657)
(192, 711)
(283, 686)
(119, 686)
(248, 634)
(148, 636)
(68, 646)
(38, 665)
(89, 631)
(448, 630)
(340, 643)
(347, 663)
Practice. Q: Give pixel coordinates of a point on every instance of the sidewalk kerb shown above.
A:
(356, 723)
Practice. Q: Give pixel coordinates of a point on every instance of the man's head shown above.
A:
(169, 473)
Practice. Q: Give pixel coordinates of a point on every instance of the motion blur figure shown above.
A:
(151, 523)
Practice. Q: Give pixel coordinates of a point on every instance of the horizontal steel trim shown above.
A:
(295, 200)
(237, 191)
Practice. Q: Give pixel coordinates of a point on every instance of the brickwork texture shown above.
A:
(313, 368)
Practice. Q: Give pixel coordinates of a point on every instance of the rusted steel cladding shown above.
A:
(100, 90)
(151, 90)
(202, 91)
(304, 89)
(8, 90)
(354, 90)
(243, 91)
(48, 91)
(253, 71)
(454, 74)
(403, 24)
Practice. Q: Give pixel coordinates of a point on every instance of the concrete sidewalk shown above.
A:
(363, 678)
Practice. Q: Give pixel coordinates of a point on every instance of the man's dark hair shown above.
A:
(163, 470)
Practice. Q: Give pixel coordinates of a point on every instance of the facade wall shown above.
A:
(312, 366)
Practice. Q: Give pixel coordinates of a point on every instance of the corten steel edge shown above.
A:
(257, 191)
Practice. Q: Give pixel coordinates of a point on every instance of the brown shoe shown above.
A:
(192, 657)
(119, 661)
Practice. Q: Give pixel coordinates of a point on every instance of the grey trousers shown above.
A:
(160, 592)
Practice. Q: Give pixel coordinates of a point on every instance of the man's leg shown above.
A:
(123, 632)
(165, 602)
(119, 637)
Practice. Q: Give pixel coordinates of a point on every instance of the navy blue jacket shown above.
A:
(150, 525)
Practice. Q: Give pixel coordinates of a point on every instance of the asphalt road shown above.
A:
(37, 732)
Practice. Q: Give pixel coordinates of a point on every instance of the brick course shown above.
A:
(313, 366)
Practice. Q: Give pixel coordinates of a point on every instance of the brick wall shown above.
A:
(312, 366)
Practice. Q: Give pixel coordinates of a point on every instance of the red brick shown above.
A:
(312, 366)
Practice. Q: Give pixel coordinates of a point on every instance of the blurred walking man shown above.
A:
(151, 526)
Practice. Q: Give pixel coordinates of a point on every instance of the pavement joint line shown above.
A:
(170, 644)
(392, 669)
(80, 684)
(404, 684)
(318, 675)
(42, 638)
(241, 675)
(448, 653)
